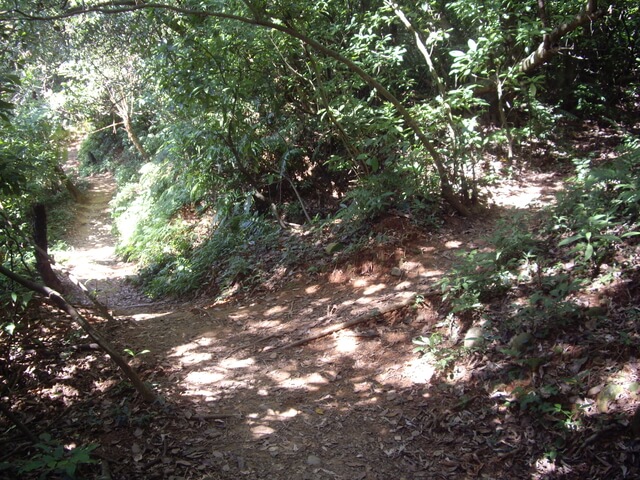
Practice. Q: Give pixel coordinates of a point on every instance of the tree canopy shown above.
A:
(301, 110)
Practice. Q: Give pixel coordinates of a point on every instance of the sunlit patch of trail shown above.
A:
(91, 257)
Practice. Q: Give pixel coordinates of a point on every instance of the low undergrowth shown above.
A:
(187, 242)
(554, 298)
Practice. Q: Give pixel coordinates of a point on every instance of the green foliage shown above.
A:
(53, 457)
(380, 193)
(589, 86)
(218, 109)
(549, 303)
(103, 150)
(134, 354)
(30, 150)
(144, 214)
(600, 209)
(482, 275)
(427, 343)
(540, 402)
(432, 346)
(594, 222)
(177, 254)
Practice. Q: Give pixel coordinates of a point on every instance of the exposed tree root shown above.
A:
(250, 344)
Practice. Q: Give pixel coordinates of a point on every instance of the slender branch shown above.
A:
(59, 301)
(432, 69)
(17, 422)
(547, 47)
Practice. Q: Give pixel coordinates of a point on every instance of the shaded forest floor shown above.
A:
(240, 402)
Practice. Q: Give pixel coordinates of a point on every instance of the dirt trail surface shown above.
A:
(93, 259)
(355, 404)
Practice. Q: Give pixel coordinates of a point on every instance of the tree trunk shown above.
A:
(133, 137)
(59, 301)
(75, 192)
(547, 47)
(42, 248)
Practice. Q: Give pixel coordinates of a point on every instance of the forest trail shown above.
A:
(92, 256)
(355, 404)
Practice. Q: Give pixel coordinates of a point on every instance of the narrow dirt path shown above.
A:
(356, 404)
(92, 258)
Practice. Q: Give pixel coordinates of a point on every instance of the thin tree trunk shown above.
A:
(133, 137)
(42, 251)
(75, 192)
(59, 301)
(546, 49)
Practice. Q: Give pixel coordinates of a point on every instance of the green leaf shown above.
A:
(588, 252)
(569, 240)
(456, 53)
(473, 46)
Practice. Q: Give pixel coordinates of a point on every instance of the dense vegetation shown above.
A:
(223, 125)
(247, 136)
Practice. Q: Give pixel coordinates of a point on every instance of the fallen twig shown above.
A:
(329, 315)
(410, 298)
(18, 423)
(250, 344)
(101, 307)
(217, 416)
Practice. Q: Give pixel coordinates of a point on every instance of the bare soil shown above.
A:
(355, 404)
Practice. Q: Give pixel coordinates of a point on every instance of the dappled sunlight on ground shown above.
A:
(355, 403)
(531, 192)
(91, 257)
(141, 317)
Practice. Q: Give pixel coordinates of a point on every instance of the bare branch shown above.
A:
(547, 47)
(59, 301)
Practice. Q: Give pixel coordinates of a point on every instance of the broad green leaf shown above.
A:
(588, 252)
(570, 240)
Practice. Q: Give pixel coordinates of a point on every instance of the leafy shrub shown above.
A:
(103, 150)
(599, 209)
(594, 217)
(53, 458)
(404, 187)
(480, 276)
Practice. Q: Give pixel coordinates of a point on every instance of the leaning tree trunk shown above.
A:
(133, 137)
(59, 301)
(73, 190)
(42, 248)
